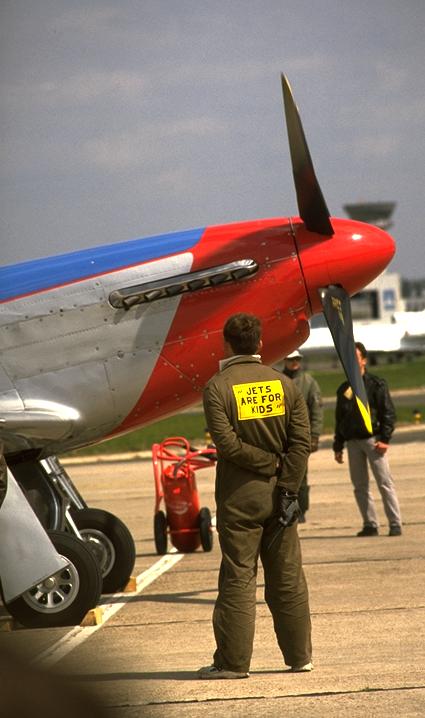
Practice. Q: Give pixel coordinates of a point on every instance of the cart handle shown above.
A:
(199, 460)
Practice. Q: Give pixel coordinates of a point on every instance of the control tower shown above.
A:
(378, 213)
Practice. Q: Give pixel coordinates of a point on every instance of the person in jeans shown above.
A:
(365, 450)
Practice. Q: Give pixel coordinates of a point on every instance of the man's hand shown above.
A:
(314, 445)
(288, 507)
(339, 457)
(380, 447)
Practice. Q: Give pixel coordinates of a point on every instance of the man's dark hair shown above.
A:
(362, 349)
(243, 333)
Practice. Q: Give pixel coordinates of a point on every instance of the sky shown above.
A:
(123, 119)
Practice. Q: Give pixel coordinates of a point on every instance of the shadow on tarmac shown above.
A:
(28, 691)
(159, 675)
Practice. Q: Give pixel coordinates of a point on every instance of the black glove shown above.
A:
(288, 507)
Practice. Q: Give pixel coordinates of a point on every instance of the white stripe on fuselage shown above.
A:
(68, 345)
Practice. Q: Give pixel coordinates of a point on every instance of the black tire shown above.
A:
(205, 529)
(112, 545)
(65, 597)
(160, 532)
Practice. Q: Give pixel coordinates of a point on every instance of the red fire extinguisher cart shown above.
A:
(174, 467)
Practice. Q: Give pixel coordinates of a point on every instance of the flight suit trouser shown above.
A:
(246, 525)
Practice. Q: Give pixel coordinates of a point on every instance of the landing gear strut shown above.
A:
(61, 508)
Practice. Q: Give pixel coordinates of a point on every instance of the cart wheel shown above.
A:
(111, 543)
(205, 529)
(64, 598)
(160, 532)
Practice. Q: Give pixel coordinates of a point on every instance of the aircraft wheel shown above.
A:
(160, 532)
(205, 529)
(111, 543)
(64, 598)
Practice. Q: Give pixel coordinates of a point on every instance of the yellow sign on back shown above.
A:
(260, 399)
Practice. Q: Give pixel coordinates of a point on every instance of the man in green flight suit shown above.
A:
(259, 424)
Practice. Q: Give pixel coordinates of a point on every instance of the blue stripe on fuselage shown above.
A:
(38, 275)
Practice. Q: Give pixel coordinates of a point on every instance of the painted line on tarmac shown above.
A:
(79, 634)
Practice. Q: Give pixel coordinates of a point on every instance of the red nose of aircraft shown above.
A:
(351, 258)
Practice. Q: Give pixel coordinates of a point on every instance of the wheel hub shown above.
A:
(49, 583)
(102, 548)
(56, 592)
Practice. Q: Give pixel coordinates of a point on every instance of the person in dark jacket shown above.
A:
(310, 390)
(363, 449)
(259, 424)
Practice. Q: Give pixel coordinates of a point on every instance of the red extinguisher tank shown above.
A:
(182, 501)
(174, 465)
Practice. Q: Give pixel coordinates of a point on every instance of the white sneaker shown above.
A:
(212, 672)
(302, 669)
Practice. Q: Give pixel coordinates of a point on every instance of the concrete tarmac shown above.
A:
(366, 594)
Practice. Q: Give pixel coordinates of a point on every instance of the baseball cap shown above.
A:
(294, 355)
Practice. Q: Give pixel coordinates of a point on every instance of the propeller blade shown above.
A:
(337, 311)
(311, 204)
